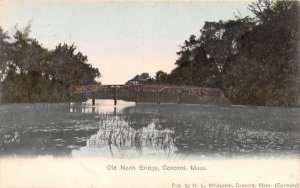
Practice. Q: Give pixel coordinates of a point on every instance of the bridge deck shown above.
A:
(149, 88)
(151, 93)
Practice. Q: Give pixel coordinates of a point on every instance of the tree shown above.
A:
(145, 76)
(265, 70)
(30, 72)
(4, 53)
(219, 39)
(70, 68)
(254, 60)
(161, 76)
(193, 66)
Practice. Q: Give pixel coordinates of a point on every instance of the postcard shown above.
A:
(175, 94)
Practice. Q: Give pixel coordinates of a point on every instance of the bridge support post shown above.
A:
(115, 97)
(158, 98)
(178, 98)
(137, 97)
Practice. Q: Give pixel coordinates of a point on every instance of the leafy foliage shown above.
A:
(252, 59)
(30, 72)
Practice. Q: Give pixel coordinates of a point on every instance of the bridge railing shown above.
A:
(105, 88)
(150, 88)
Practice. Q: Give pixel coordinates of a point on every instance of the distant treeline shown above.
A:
(32, 73)
(254, 60)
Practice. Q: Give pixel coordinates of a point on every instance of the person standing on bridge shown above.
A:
(93, 101)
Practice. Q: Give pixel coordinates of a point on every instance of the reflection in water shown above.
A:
(116, 138)
(101, 106)
(153, 135)
(147, 130)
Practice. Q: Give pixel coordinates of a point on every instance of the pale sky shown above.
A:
(122, 39)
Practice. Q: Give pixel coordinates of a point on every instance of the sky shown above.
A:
(120, 38)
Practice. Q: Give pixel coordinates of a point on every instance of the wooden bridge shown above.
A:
(148, 93)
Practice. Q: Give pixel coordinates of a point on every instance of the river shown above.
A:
(165, 131)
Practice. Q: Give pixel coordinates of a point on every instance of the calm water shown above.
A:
(171, 131)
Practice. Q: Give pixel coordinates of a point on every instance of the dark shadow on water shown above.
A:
(43, 129)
